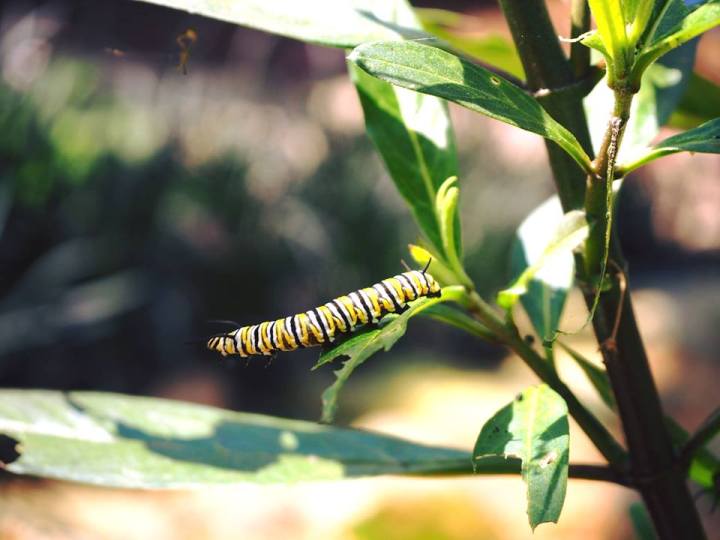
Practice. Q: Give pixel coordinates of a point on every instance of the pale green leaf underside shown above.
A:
(546, 279)
(335, 23)
(137, 442)
(704, 139)
(547, 250)
(436, 72)
(698, 21)
(534, 428)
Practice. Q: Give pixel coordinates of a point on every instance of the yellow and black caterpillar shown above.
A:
(320, 325)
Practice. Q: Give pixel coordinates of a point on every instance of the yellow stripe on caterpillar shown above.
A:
(323, 324)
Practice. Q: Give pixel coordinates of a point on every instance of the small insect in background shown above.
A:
(185, 41)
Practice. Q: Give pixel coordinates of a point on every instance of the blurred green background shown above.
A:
(138, 202)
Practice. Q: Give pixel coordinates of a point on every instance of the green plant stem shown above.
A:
(588, 422)
(652, 460)
(548, 72)
(652, 457)
(493, 465)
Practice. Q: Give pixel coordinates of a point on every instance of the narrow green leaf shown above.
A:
(641, 521)
(414, 136)
(436, 72)
(704, 139)
(137, 442)
(534, 428)
(446, 204)
(542, 261)
(339, 23)
(700, 103)
(610, 22)
(596, 375)
(362, 345)
(458, 319)
(704, 464)
(702, 19)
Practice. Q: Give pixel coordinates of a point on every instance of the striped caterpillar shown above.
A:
(322, 324)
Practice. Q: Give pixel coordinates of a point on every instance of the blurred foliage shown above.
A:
(114, 253)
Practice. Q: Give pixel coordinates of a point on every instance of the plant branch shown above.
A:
(547, 68)
(579, 24)
(660, 482)
(588, 422)
(705, 433)
(496, 465)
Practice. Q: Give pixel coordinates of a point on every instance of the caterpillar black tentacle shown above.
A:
(321, 325)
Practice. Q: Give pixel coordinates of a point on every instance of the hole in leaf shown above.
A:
(8, 450)
(494, 80)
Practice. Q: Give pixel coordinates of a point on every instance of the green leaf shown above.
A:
(495, 50)
(570, 232)
(699, 103)
(704, 139)
(338, 23)
(642, 523)
(534, 428)
(414, 136)
(596, 375)
(542, 261)
(362, 345)
(458, 319)
(436, 72)
(137, 442)
(702, 19)
(704, 464)
(610, 22)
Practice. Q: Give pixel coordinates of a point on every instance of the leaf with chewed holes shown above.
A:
(362, 345)
(534, 428)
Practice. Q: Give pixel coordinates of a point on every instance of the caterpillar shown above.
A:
(322, 324)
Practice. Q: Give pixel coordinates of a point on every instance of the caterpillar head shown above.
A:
(434, 288)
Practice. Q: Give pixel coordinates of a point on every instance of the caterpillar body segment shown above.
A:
(324, 323)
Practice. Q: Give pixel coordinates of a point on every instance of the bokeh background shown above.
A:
(139, 201)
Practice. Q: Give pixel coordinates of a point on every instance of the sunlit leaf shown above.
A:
(414, 136)
(436, 72)
(610, 20)
(360, 346)
(568, 234)
(127, 441)
(700, 20)
(336, 23)
(534, 428)
(704, 139)
(545, 274)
